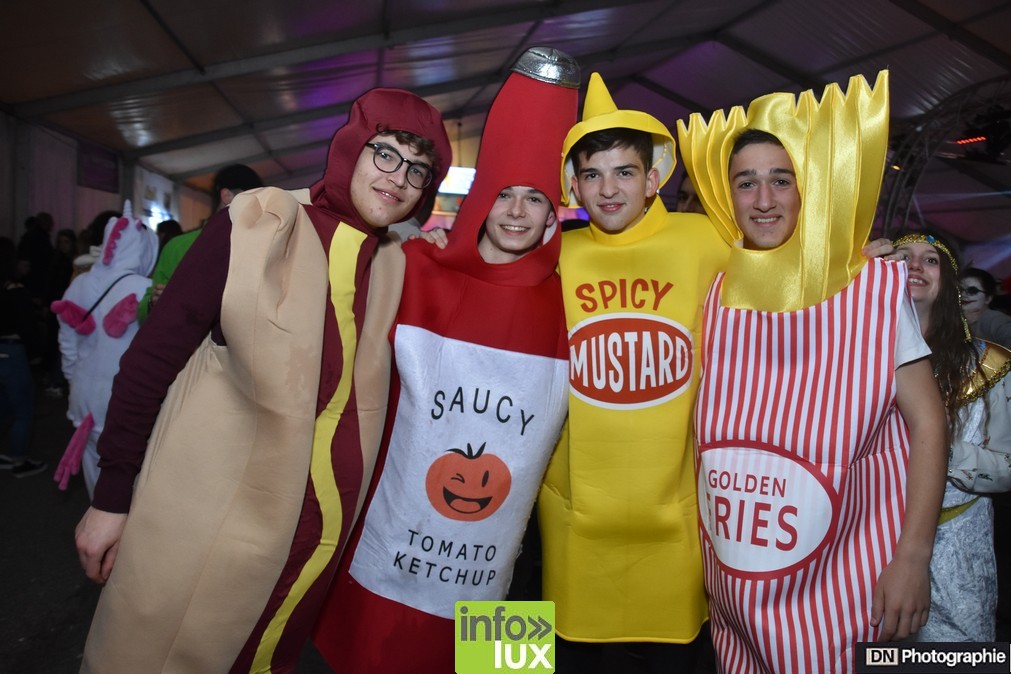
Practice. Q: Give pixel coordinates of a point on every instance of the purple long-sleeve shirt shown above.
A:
(188, 310)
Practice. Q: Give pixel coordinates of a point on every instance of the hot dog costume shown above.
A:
(251, 481)
(97, 323)
(801, 451)
(478, 398)
(617, 510)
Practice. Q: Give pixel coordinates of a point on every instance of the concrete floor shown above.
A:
(46, 603)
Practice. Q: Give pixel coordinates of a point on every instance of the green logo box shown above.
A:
(504, 636)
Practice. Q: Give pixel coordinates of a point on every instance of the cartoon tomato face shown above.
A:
(467, 485)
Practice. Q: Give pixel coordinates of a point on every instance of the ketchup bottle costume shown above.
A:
(478, 398)
(801, 451)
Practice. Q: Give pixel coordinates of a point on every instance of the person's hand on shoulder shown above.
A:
(880, 248)
(97, 537)
(436, 236)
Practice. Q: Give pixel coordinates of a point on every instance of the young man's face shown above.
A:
(613, 187)
(382, 199)
(763, 186)
(515, 224)
(688, 199)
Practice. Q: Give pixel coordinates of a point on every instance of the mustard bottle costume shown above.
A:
(617, 509)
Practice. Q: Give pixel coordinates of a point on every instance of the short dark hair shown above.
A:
(94, 233)
(169, 228)
(985, 279)
(237, 177)
(44, 220)
(753, 137)
(607, 139)
(419, 144)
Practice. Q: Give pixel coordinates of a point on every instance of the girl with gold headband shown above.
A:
(973, 377)
(819, 429)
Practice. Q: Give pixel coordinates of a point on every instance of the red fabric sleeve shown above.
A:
(187, 311)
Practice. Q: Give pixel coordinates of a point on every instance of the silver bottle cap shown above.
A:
(550, 65)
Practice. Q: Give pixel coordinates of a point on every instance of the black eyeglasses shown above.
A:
(972, 291)
(388, 160)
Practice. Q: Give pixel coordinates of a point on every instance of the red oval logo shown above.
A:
(764, 511)
(628, 360)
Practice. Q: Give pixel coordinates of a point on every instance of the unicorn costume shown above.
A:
(97, 323)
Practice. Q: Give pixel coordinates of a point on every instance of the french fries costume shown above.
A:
(478, 399)
(801, 451)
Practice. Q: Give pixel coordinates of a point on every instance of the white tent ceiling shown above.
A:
(187, 86)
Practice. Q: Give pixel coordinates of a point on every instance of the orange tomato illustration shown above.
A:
(468, 485)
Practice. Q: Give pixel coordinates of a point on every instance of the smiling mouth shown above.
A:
(388, 195)
(462, 504)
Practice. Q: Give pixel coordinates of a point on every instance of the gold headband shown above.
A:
(928, 239)
(932, 241)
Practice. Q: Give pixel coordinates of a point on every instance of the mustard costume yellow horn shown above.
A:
(838, 146)
(599, 113)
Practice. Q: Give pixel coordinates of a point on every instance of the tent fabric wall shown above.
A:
(47, 166)
(89, 203)
(49, 169)
(189, 207)
(10, 226)
(52, 177)
(151, 193)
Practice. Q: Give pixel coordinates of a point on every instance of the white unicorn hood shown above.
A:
(129, 246)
